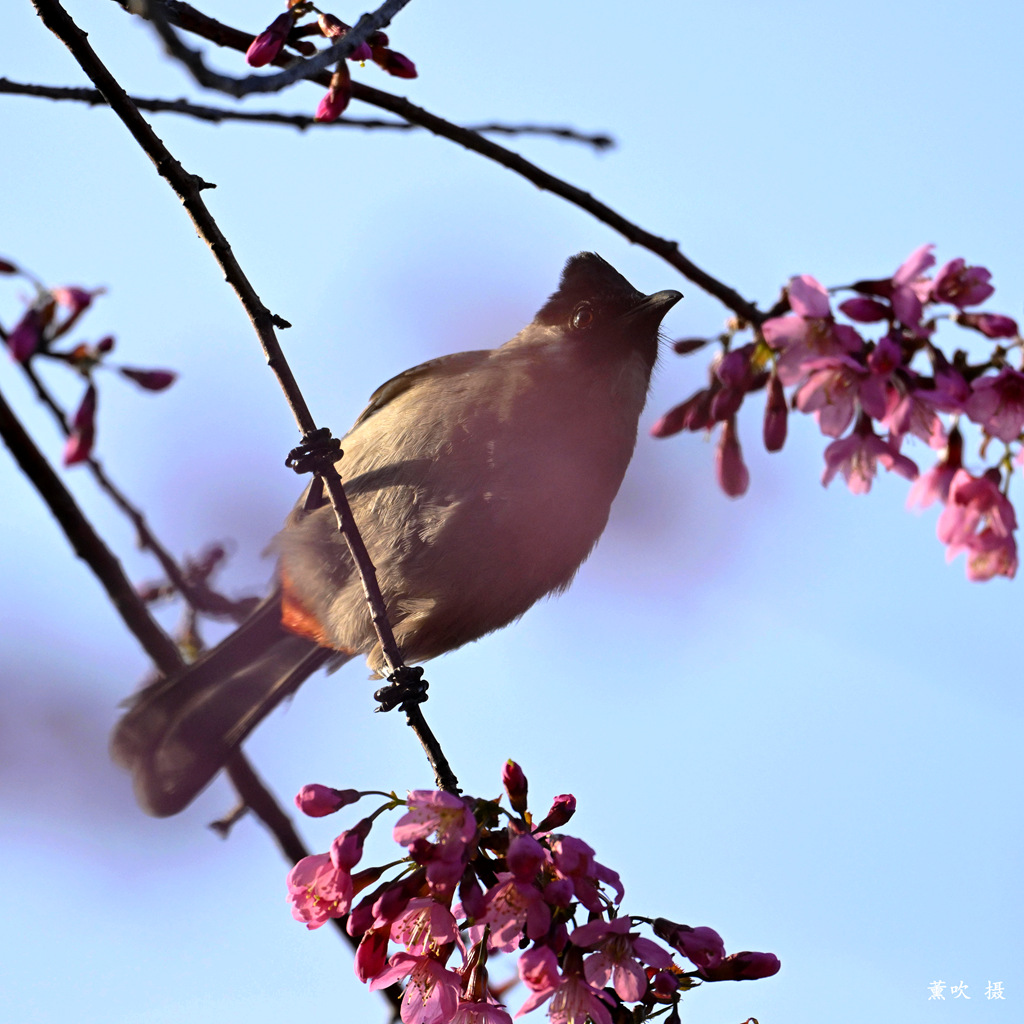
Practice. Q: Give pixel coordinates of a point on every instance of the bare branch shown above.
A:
(217, 115)
(188, 188)
(187, 17)
(297, 70)
(88, 544)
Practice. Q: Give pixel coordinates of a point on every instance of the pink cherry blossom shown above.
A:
(433, 810)
(980, 521)
(997, 404)
(857, 456)
(573, 998)
(961, 285)
(431, 993)
(480, 1013)
(810, 334)
(575, 860)
(909, 287)
(619, 957)
(512, 909)
(318, 890)
(424, 927)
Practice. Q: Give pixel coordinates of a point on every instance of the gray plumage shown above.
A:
(480, 482)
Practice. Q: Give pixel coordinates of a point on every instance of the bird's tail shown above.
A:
(180, 731)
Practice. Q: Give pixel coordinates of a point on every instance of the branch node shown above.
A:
(278, 321)
(406, 685)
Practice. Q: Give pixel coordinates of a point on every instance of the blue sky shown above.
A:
(785, 716)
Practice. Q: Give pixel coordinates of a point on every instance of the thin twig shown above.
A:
(265, 806)
(88, 544)
(188, 18)
(297, 69)
(202, 598)
(304, 122)
(188, 188)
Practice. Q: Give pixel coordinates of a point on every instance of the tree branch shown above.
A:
(297, 68)
(188, 188)
(188, 18)
(218, 115)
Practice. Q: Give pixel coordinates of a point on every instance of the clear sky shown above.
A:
(784, 717)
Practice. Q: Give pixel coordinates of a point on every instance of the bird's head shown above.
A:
(597, 306)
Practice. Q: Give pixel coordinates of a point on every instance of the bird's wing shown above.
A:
(443, 366)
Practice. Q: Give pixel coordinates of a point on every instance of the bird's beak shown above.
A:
(650, 311)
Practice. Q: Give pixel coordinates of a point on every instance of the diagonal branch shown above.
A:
(297, 70)
(188, 188)
(192, 20)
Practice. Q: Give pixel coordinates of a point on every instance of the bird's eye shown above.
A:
(582, 316)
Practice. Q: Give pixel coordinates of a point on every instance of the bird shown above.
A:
(480, 482)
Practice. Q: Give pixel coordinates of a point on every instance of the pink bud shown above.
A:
(514, 780)
(684, 346)
(151, 380)
(348, 847)
(775, 416)
(337, 98)
(105, 344)
(745, 966)
(992, 325)
(701, 946)
(267, 45)
(24, 339)
(394, 63)
(318, 801)
(562, 809)
(525, 857)
(864, 310)
(332, 27)
(83, 430)
(693, 414)
(664, 985)
(733, 475)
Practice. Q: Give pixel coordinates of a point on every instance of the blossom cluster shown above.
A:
(870, 394)
(286, 30)
(477, 880)
(49, 316)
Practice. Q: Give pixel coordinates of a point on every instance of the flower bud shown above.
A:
(745, 966)
(514, 780)
(348, 847)
(83, 430)
(317, 801)
(525, 857)
(775, 416)
(151, 380)
(562, 809)
(733, 475)
(267, 45)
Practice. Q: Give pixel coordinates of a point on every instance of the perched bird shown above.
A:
(479, 481)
